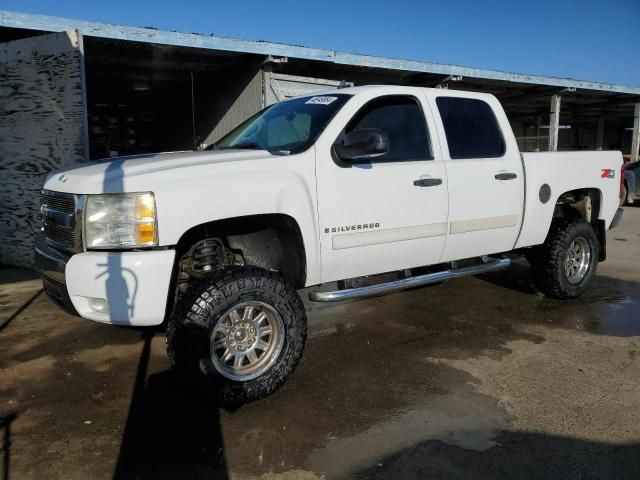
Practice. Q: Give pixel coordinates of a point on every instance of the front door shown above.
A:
(390, 212)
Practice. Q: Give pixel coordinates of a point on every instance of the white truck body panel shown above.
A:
(471, 213)
(563, 172)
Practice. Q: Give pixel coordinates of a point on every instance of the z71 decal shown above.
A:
(608, 173)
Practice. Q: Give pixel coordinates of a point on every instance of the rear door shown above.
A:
(381, 215)
(486, 181)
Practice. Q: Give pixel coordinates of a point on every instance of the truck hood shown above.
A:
(111, 175)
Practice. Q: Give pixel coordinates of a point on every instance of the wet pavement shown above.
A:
(473, 378)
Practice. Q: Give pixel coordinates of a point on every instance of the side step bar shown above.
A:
(396, 285)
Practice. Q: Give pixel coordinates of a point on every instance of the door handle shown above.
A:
(506, 176)
(427, 182)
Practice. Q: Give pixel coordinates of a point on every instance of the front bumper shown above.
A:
(134, 285)
(50, 264)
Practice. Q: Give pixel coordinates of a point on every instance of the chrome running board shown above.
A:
(396, 285)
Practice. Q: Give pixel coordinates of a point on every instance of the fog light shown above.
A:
(98, 305)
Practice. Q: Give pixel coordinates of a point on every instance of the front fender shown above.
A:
(192, 196)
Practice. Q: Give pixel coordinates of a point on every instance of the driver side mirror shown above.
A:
(363, 144)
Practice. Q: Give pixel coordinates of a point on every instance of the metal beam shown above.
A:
(554, 122)
(635, 142)
(45, 23)
(617, 100)
(444, 83)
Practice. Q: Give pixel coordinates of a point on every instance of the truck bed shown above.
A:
(563, 172)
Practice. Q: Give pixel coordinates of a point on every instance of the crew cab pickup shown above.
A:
(341, 186)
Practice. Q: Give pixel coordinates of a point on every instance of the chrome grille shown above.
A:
(64, 204)
(60, 234)
(59, 213)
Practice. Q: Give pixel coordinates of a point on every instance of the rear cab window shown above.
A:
(471, 128)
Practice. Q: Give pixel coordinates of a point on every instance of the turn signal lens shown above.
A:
(146, 233)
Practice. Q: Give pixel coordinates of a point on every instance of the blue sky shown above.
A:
(587, 40)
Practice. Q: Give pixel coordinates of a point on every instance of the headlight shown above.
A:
(126, 220)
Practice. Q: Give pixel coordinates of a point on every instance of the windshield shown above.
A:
(285, 127)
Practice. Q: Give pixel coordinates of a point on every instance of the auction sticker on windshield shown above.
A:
(324, 100)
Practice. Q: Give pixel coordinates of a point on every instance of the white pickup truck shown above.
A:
(420, 184)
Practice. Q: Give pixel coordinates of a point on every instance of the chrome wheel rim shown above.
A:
(577, 260)
(247, 340)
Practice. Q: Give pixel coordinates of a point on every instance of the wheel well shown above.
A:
(584, 203)
(271, 241)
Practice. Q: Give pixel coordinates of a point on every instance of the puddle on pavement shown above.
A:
(609, 307)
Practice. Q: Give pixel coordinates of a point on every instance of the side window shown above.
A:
(471, 128)
(402, 119)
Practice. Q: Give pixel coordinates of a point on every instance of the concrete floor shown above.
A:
(474, 378)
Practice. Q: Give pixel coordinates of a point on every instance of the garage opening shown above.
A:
(144, 98)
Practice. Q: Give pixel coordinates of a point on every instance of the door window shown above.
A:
(471, 128)
(402, 119)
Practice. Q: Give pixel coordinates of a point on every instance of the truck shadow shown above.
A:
(517, 277)
(517, 454)
(5, 323)
(121, 300)
(172, 431)
(5, 447)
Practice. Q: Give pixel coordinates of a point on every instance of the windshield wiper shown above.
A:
(254, 146)
(247, 146)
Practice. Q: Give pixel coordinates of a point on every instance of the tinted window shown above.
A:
(471, 128)
(402, 120)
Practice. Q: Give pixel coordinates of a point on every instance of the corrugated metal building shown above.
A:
(74, 91)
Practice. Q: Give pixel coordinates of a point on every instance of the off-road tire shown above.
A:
(197, 312)
(547, 260)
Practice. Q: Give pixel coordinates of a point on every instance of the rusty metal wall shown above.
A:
(43, 127)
